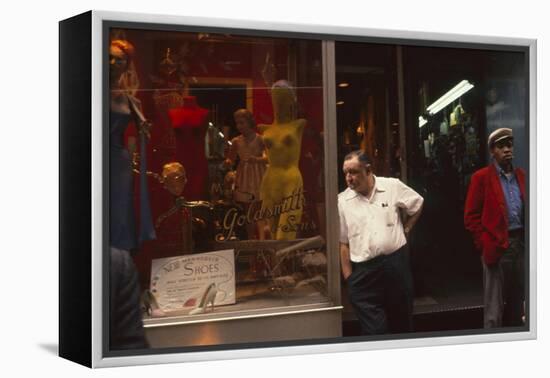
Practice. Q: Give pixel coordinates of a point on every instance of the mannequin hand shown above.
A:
(145, 129)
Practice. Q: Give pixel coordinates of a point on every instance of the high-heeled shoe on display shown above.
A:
(207, 298)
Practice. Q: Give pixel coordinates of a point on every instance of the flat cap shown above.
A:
(498, 135)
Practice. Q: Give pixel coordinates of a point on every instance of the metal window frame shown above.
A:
(328, 34)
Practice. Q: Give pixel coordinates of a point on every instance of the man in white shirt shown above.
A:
(373, 239)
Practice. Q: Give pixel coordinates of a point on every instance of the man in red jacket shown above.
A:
(494, 214)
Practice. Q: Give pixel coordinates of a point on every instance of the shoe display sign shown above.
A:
(194, 283)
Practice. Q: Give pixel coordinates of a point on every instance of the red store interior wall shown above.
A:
(206, 60)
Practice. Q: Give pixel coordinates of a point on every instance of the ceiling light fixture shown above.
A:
(457, 91)
(454, 93)
(422, 121)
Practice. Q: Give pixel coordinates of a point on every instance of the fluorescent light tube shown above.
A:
(421, 121)
(457, 91)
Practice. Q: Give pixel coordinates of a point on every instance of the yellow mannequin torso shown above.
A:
(282, 178)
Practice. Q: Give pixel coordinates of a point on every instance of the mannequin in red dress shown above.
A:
(190, 123)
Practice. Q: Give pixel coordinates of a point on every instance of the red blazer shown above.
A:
(485, 212)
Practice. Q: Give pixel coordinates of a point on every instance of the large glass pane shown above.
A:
(424, 114)
(456, 98)
(220, 196)
(367, 119)
(367, 107)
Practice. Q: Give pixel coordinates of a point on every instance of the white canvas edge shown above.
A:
(345, 346)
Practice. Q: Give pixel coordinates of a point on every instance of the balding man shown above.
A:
(375, 261)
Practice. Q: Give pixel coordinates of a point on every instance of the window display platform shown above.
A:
(239, 323)
(251, 299)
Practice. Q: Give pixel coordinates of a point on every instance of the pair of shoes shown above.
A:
(207, 298)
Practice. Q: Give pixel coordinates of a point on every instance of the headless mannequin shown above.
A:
(189, 122)
(282, 179)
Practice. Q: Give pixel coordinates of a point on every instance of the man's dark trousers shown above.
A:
(381, 293)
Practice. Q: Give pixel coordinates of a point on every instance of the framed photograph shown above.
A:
(234, 189)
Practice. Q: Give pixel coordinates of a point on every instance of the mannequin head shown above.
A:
(492, 96)
(244, 120)
(122, 73)
(120, 56)
(284, 101)
(174, 177)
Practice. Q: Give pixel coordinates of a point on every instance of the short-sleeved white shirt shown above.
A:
(372, 226)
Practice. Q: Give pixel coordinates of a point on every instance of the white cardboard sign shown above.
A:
(179, 282)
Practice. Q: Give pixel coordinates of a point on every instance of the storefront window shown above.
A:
(423, 115)
(225, 164)
(455, 99)
(367, 107)
(217, 170)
